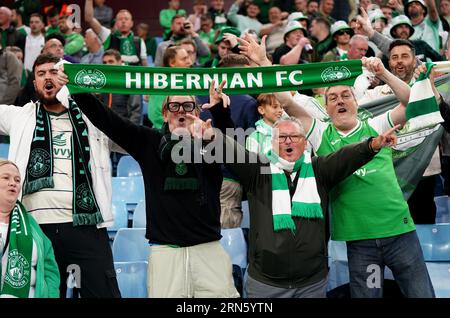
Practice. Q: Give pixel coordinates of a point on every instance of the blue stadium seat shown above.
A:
(233, 242)
(129, 189)
(435, 241)
(139, 216)
(246, 215)
(130, 245)
(4, 150)
(442, 209)
(120, 213)
(337, 261)
(440, 278)
(132, 279)
(128, 167)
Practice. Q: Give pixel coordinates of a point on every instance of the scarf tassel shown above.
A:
(87, 219)
(283, 222)
(307, 210)
(181, 184)
(38, 184)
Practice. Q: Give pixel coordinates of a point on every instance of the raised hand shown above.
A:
(200, 129)
(62, 78)
(386, 139)
(253, 50)
(216, 95)
(364, 24)
(374, 65)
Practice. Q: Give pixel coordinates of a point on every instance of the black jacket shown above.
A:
(182, 218)
(284, 259)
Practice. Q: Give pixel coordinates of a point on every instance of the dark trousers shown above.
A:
(421, 202)
(88, 248)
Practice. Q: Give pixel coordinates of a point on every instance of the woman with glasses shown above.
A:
(28, 266)
(341, 33)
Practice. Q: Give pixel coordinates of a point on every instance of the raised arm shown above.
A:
(400, 88)
(432, 10)
(89, 16)
(337, 166)
(294, 55)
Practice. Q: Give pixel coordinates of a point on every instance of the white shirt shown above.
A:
(33, 47)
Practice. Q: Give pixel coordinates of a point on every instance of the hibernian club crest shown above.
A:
(90, 79)
(335, 73)
(40, 162)
(18, 269)
(83, 197)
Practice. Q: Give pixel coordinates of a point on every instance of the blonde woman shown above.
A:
(28, 266)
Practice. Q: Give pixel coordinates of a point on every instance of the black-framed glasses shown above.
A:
(293, 138)
(175, 106)
(342, 32)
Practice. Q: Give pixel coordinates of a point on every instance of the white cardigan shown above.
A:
(20, 122)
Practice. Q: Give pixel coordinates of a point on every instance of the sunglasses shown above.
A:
(175, 106)
(342, 32)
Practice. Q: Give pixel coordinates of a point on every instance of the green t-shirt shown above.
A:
(50, 30)
(208, 39)
(369, 204)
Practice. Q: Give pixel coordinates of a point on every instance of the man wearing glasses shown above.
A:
(287, 195)
(182, 198)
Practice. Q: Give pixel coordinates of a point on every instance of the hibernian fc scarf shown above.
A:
(179, 176)
(39, 174)
(305, 201)
(18, 269)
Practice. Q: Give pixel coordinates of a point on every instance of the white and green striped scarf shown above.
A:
(422, 110)
(306, 199)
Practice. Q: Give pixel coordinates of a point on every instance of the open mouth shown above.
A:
(181, 119)
(342, 110)
(289, 150)
(48, 87)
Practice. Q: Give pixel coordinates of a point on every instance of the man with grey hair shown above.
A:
(368, 208)
(287, 194)
(358, 47)
(95, 48)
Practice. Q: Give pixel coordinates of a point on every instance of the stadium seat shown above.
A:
(233, 242)
(4, 150)
(435, 241)
(440, 278)
(120, 213)
(130, 245)
(338, 263)
(139, 216)
(442, 209)
(132, 279)
(129, 189)
(246, 216)
(128, 167)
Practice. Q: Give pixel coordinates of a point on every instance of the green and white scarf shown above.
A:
(39, 174)
(18, 269)
(127, 46)
(305, 201)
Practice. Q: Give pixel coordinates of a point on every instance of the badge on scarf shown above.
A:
(181, 169)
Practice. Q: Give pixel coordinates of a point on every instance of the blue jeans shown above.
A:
(401, 253)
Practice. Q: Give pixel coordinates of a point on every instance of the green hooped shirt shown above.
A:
(369, 204)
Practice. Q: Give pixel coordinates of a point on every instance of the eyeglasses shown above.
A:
(293, 138)
(175, 106)
(342, 32)
(334, 97)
